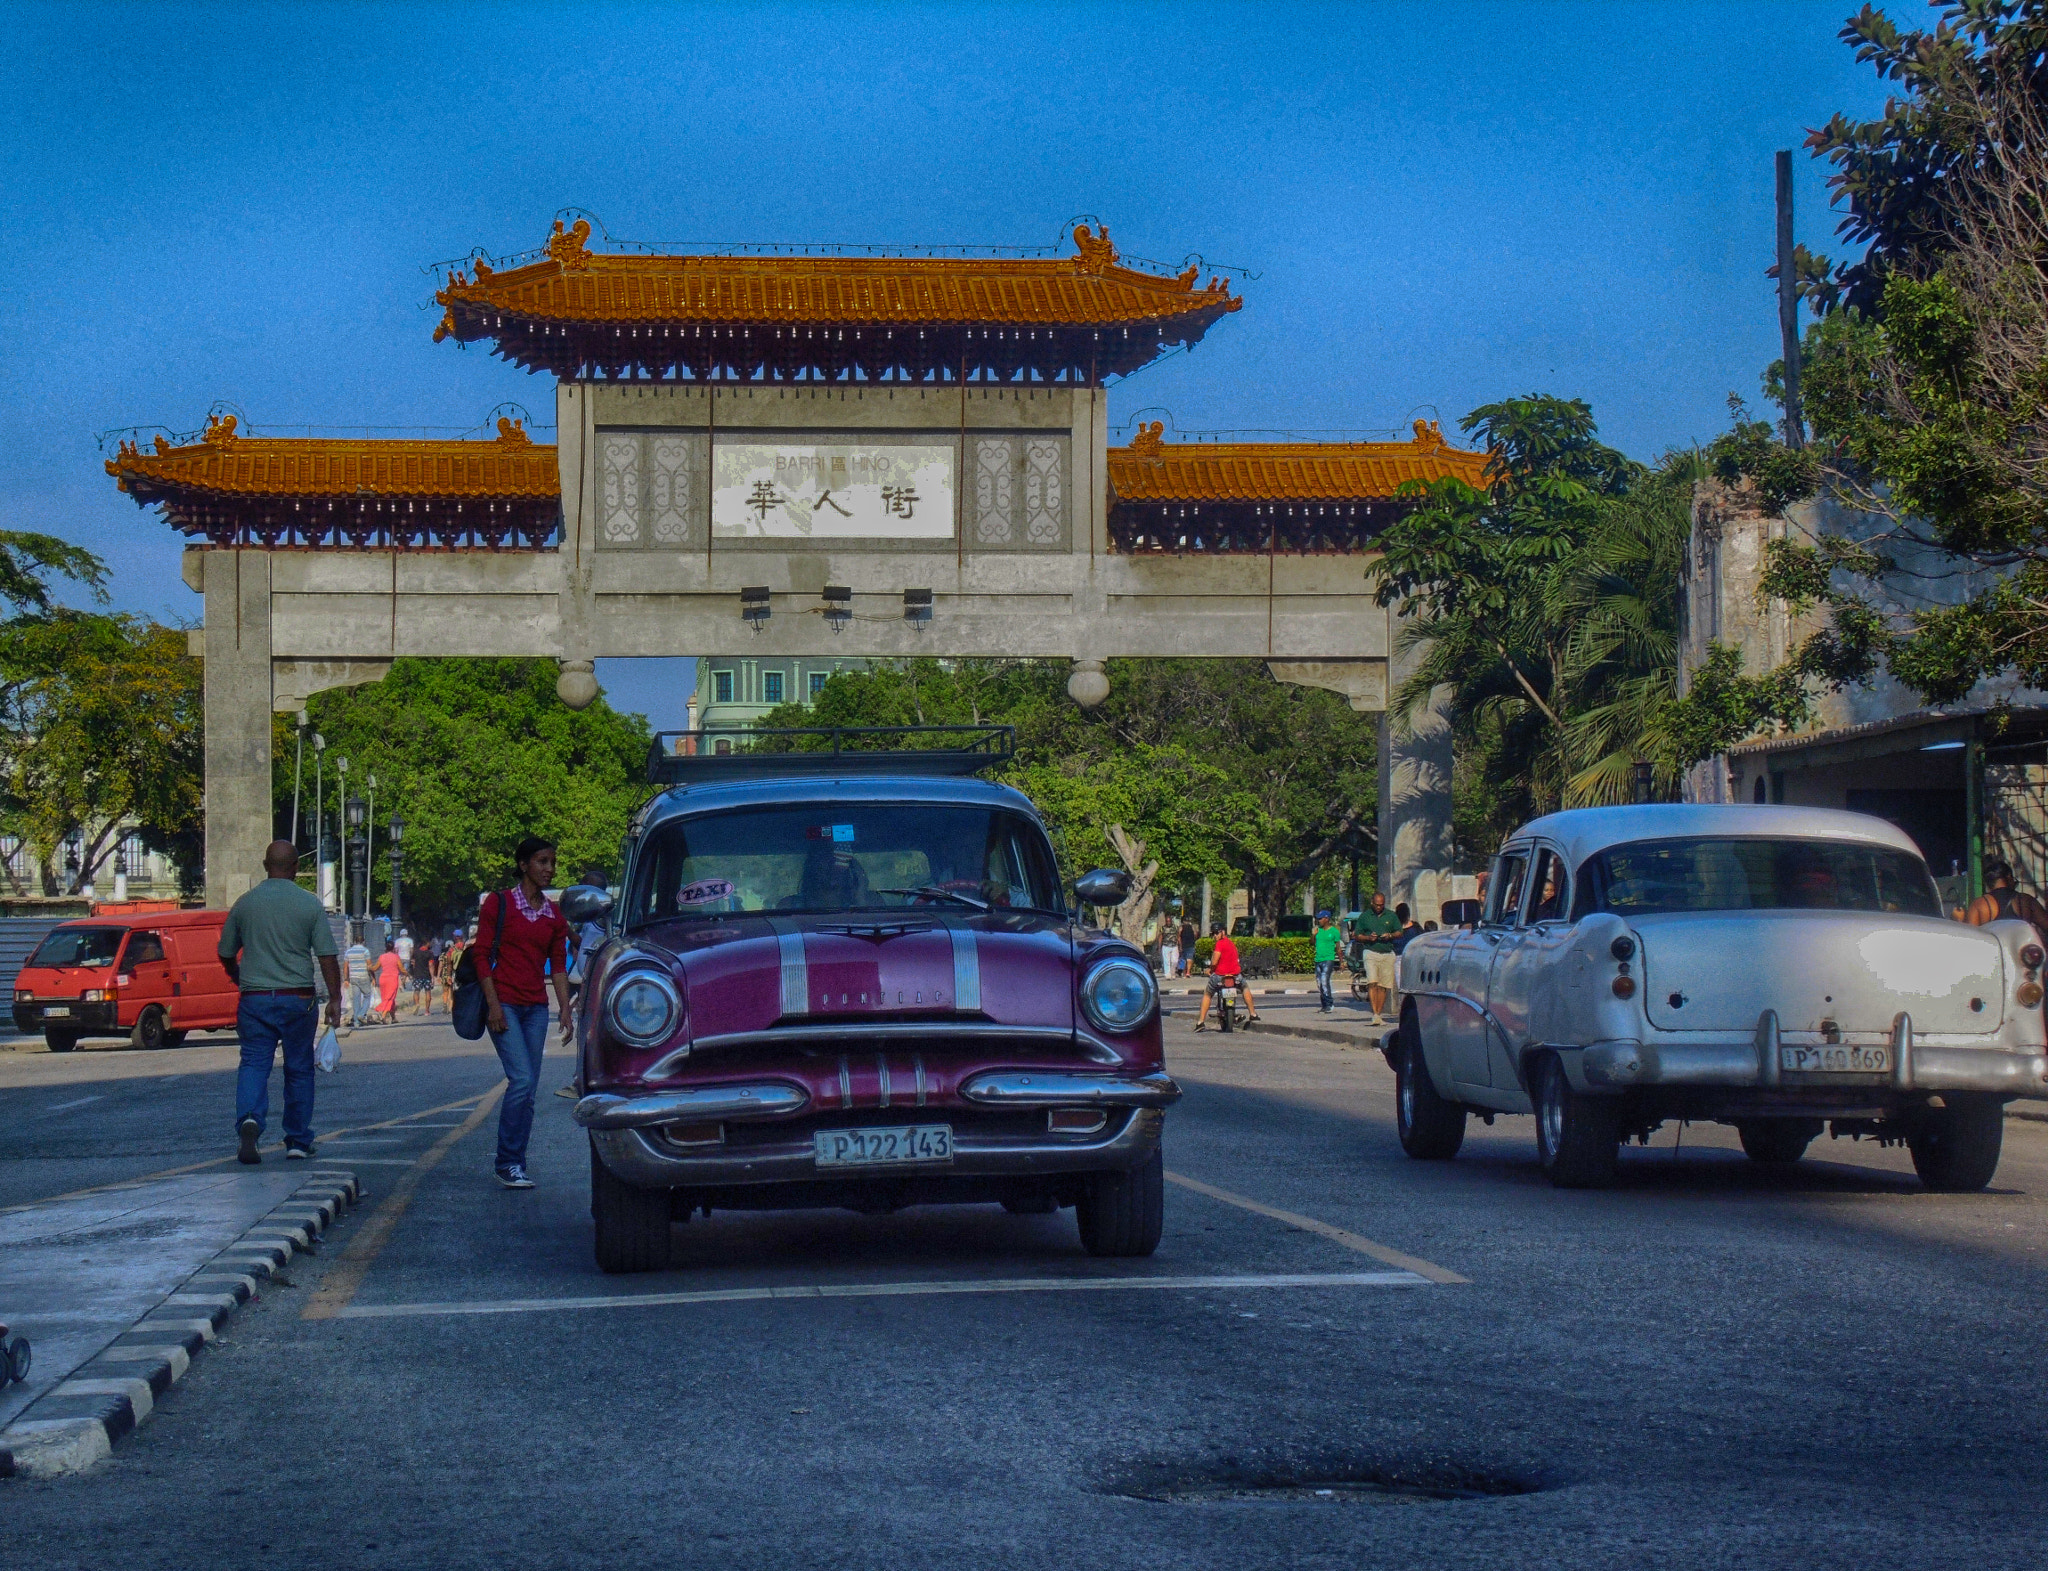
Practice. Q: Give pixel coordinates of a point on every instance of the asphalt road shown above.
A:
(1710, 1365)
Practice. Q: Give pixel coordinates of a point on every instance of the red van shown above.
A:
(149, 977)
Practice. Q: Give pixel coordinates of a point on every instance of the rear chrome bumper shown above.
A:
(641, 1159)
(1918, 1064)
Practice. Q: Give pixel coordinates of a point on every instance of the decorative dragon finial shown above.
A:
(513, 432)
(447, 324)
(567, 248)
(1149, 441)
(1429, 435)
(220, 432)
(1096, 251)
(163, 443)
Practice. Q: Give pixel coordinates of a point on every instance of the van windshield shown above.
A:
(1730, 874)
(79, 946)
(843, 857)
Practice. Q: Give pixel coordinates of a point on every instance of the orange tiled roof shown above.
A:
(1152, 470)
(224, 463)
(575, 285)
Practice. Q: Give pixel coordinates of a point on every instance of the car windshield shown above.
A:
(843, 857)
(79, 946)
(1730, 874)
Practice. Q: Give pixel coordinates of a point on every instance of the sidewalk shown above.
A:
(76, 1272)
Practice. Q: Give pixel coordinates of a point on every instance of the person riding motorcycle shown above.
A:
(1225, 971)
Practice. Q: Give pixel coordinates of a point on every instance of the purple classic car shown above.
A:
(852, 978)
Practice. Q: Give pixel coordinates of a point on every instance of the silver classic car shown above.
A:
(1781, 969)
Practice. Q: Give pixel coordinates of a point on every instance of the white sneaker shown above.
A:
(514, 1177)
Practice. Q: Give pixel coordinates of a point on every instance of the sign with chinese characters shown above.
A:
(850, 490)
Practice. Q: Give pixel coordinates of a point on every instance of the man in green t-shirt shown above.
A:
(1326, 959)
(268, 945)
(1377, 928)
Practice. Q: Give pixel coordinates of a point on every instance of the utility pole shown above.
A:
(1788, 304)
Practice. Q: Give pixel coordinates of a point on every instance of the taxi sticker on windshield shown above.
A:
(839, 833)
(705, 891)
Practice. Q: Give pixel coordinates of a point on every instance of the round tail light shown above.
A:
(1624, 987)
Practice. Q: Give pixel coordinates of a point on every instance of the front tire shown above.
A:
(1776, 1142)
(1430, 1126)
(631, 1224)
(60, 1041)
(1578, 1137)
(151, 1033)
(1122, 1214)
(1956, 1150)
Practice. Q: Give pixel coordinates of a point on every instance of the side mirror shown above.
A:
(585, 903)
(1106, 886)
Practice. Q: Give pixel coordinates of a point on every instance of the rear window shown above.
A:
(79, 946)
(1731, 874)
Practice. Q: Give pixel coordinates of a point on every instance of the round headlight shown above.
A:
(1119, 994)
(642, 1008)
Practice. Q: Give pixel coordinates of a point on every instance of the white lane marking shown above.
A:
(1336, 1235)
(65, 1107)
(741, 1295)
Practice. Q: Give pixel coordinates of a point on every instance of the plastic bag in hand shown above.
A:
(327, 1051)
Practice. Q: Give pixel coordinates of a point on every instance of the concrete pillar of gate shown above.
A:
(1415, 806)
(236, 653)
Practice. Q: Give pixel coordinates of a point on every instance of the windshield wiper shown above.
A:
(933, 891)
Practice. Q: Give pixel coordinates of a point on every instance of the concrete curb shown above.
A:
(69, 1428)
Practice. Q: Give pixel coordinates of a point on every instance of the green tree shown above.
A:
(474, 755)
(103, 727)
(1928, 388)
(1223, 772)
(1547, 604)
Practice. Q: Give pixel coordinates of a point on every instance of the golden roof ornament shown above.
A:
(219, 432)
(513, 432)
(1096, 251)
(1429, 436)
(568, 249)
(1149, 441)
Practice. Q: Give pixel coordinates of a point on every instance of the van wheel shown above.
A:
(1578, 1137)
(1123, 1214)
(60, 1041)
(1431, 1128)
(631, 1223)
(1956, 1150)
(1777, 1140)
(151, 1033)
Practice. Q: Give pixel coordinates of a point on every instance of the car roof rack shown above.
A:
(743, 753)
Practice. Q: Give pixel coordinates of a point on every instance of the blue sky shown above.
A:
(1444, 204)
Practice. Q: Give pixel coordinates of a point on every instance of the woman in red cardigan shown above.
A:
(530, 937)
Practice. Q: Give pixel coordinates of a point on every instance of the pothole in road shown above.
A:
(1326, 1485)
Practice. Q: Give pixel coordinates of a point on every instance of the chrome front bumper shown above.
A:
(643, 1160)
(1918, 1064)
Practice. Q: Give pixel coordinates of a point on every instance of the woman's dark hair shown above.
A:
(529, 848)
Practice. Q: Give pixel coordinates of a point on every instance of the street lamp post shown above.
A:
(369, 845)
(346, 902)
(395, 828)
(323, 878)
(357, 868)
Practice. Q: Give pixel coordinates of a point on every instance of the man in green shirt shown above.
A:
(1326, 959)
(1377, 928)
(268, 945)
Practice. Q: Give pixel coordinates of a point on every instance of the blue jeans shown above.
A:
(1324, 969)
(519, 1047)
(265, 1022)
